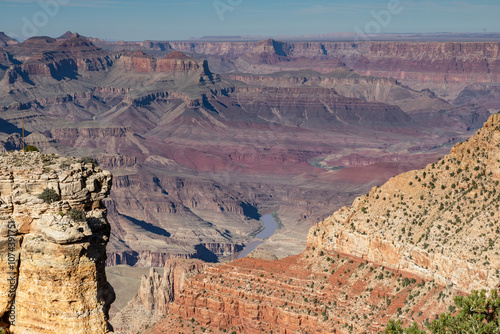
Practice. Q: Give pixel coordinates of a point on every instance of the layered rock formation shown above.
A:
(445, 67)
(315, 292)
(155, 295)
(198, 155)
(401, 252)
(58, 59)
(173, 62)
(440, 222)
(52, 261)
(423, 106)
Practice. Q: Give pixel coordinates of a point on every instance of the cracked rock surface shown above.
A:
(51, 263)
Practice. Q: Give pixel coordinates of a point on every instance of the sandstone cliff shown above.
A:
(440, 222)
(445, 67)
(151, 303)
(52, 263)
(173, 62)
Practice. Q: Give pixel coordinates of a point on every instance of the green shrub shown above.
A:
(49, 195)
(30, 148)
(395, 327)
(89, 160)
(77, 215)
(477, 313)
(64, 165)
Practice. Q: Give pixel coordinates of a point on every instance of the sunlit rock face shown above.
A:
(439, 222)
(51, 261)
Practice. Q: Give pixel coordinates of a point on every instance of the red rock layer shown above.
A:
(177, 61)
(154, 296)
(315, 292)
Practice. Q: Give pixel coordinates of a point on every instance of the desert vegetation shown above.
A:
(478, 312)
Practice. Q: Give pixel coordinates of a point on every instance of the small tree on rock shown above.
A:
(477, 313)
(77, 215)
(49, 195)
(30, 148)
(89, 160)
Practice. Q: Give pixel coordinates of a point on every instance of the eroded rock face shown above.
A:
(154, 296)
(53, 278)
(440, 222)
(176, 61)
(316, 292)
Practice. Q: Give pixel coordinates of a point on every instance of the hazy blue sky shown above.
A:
(175, 19)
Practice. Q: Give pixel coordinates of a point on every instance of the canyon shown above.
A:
(197, 156)
(401, 252)
(203, 138)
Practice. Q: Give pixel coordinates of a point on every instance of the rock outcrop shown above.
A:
(174, 62)
(155, 294)
(484, 94)
(440, 222)
(6, 40)
(59, 59)
(53, 249)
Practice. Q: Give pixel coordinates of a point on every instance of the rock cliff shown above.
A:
(445, 67)
(155, 294)
(173, 62)
(440, 222)
(52, 259)
(315, 292)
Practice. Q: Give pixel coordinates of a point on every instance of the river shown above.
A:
(270, 226)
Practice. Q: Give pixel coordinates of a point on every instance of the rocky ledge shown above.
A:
(53, 249)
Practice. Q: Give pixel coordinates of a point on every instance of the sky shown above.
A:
(135, 20)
